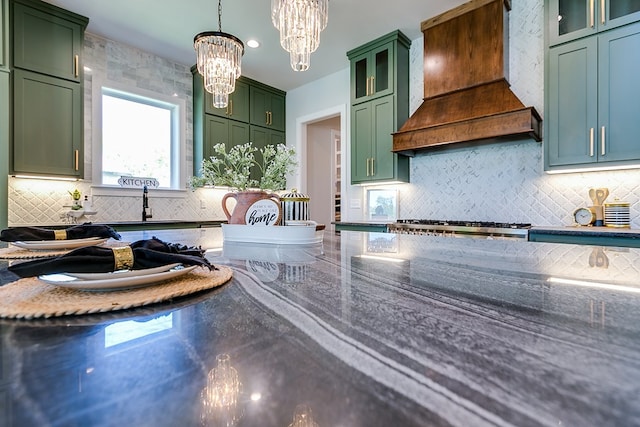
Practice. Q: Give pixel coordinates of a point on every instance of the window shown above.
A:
(138, 134)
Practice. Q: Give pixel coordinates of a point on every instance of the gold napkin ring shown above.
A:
(60, 234)
(123, 257)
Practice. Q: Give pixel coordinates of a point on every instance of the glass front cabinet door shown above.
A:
(573, 19)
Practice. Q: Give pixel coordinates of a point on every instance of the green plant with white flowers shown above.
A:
(233, 168)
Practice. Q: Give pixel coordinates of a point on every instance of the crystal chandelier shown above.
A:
(219, 59)
(300, 23)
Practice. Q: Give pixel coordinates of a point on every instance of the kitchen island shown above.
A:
(364, 329)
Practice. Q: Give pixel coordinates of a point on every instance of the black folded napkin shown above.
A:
(25, 234)
(96, 259)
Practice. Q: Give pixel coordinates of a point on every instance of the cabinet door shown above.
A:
(267, 109)
(47, 44)
(572, 19)
(382, 165)
(47, 136)
(572, 116)
(238, 106)
(372, 74)
(361, 137)
(219, 130)
(261, 137)
(4, 35)
(619, 92)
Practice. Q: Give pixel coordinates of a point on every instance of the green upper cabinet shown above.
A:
(47, 135)
(372, 72)
(267, 107)
(572, 19)
(380, 106)
(233, 125)
(47, 40)
(238, 106)
(591, 101)
(47, 97)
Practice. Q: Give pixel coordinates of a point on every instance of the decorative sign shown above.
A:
(263, 212)
(137, 182)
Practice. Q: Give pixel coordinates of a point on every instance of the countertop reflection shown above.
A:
(364, 329)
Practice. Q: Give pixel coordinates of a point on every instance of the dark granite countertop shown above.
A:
(365, 329)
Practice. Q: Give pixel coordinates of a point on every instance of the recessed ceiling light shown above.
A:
(253, 43)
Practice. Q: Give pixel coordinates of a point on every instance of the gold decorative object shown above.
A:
(123, 257)
(60, 234)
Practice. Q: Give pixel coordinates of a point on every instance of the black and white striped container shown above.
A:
(616, 214)
(295, 207)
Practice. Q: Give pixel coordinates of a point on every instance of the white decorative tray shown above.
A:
(284, 235)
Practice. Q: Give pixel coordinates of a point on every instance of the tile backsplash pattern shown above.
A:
(506, 181)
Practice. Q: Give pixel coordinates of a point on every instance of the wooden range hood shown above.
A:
(466, 92)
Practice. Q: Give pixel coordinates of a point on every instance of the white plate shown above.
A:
(116, 283)
(122, 273)
(284, 235)
(60, 244)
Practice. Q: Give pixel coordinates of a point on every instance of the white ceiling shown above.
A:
(166, 28)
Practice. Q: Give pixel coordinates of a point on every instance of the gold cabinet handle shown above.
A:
(231, 107)
(76, 154)
(368, 165)
(592, 12)
(367, 92)
(602, 11)
(602, 141)
(76, 66)
(266, 119)
(373, 89)
(373, 170)
(591, 146)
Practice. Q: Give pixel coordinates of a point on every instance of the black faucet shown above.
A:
(146, 211)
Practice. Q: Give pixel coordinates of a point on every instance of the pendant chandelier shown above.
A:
(219, 60)
(300, 23)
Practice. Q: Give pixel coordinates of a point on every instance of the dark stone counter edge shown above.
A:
(147, 225)
(602, 236)
(362, 226)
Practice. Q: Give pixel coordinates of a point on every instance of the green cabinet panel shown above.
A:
(4, 147)
(372, 124)
(47, 138)
(591, 101)
(238, 106)
(4, 34)
(47, 40)
(379, 106)
(572, 19)
(261, 137)
(267, 108)
(225, 131)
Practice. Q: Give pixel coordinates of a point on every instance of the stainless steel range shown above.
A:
(477, 229)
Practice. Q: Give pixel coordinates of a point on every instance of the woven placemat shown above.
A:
(31, 298)
(14, 252)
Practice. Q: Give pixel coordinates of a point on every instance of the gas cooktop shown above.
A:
(460, 228)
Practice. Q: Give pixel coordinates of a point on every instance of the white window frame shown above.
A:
(178, 150)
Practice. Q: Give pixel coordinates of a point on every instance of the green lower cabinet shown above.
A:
(47, 138)
(228, 132)
(371, 142)
(592, 95)
(261, 137)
